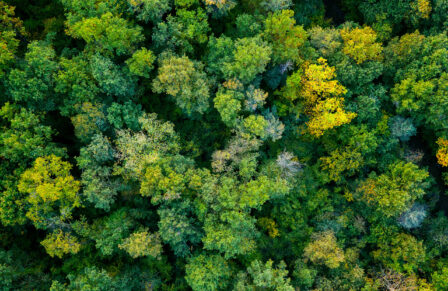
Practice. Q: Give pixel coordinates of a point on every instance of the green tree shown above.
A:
(149, 10)
(394, 192)
(250, 58)
(95, 161)
(207, 272)
(112, 79)
(139, 149)
(108, 33)
(219, 52)
(233, 234)
(256, 125)
(402, 252)
(11, 28)
(107, 232)
(276, 5)
(183, 32)
(440, 279)
(32, 83)
(228, 104)
(126, 115)
(185, 81)
(24, 137)
(219, 8)
(264, 276)
(90, 278)
(286, 38)
(141, 62)
(179, 228)
(89, 121)
(75, 83)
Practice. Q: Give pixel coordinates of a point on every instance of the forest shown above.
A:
(248, 145)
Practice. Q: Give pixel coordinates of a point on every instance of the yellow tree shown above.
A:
(423, 8)
(324, 250)
(50, 189)
(59, 243)
(341, 160)
(318, 83)
(327, 114)
(141, 244)
(360, 44)
(442, 152)
(318, 94)
(10, 30)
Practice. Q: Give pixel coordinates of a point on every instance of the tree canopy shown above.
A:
(223, 145)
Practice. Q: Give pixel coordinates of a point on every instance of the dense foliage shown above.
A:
(223, 145)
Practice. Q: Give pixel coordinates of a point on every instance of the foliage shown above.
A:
(109, 33)
(219, 8)
(75, 81)
(52, 191)
(223, 145)
(402, 128)
(179, 229)
(228, 104)
(23, 136)
(439, 278)
(88, 122)
(182, 32)
(185, 81)
(328, 114)
(264, 276)
(91, 278)
(149, 10)
(319, 96)
(59, 244)
(142, 244)
(442, 152)
(360, 44)
(100, 188)
(112, 79)
(401, 253)
(141, 62)
(207, 272)
(324, 250)
(286, 37)
(32, 82)
(393, 192)
(413, 217)
(275, 5)
(250, 58)
(11, 29)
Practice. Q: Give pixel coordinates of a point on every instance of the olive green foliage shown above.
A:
(11, 29)
(142, 244)
(109, 32)
(250, 58)
(207, 272)
(185, 81)
(264, 276)
(141, 62)
(324, 249)
(394, 191)
(52, 191)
